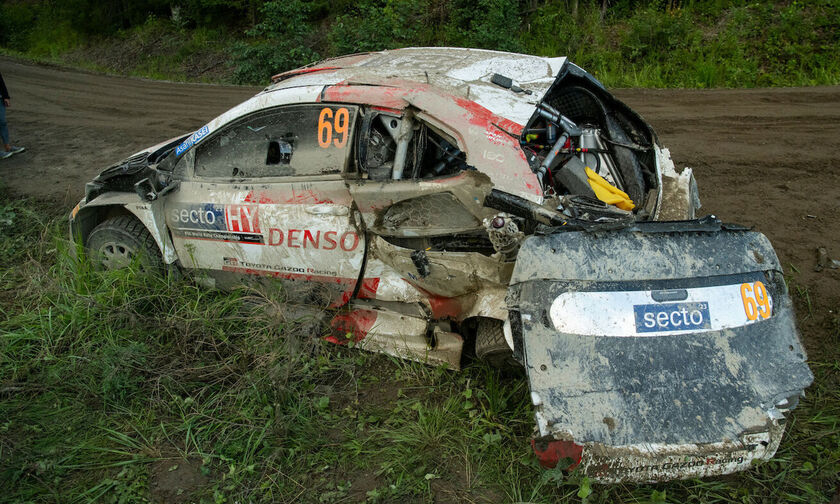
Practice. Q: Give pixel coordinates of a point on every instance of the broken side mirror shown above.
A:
(147, 191)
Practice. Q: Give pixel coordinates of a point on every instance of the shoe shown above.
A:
(15, 150)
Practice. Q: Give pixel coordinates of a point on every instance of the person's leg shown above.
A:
(4, 129)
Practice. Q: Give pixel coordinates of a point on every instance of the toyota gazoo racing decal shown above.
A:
(230, 223)
(244, 266)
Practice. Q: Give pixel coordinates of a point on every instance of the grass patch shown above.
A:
(118, 387)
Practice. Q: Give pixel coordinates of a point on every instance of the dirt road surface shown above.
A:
(762, 157)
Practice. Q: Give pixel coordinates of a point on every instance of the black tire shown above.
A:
(491, 346)
(115, 243)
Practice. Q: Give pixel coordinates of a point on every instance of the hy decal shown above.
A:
(192, 140)
(235, 223)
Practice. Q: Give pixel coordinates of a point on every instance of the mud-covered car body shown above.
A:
(428, 195)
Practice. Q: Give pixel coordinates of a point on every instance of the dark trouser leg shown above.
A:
(4, 129)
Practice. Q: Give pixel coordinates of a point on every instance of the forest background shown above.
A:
(625, 43)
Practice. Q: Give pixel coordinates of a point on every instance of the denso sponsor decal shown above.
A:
(192, 140)
(313, 238)
(238, 223)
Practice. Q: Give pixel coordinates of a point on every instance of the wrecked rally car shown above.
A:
(432, 196)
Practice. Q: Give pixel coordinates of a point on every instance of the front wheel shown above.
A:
(116, 242)
(491, 345)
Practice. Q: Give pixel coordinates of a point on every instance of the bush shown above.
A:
(15, 23)
(660, 43)
(375, 25)
(280, 42)
(488, 24)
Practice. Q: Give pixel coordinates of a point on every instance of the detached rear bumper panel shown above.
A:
(663, 354)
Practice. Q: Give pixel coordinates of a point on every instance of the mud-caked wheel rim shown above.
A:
(121, 242)
(116, 255)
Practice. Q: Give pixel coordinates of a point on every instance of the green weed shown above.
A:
(112, 380)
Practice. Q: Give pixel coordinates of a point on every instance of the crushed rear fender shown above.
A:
(667, 350)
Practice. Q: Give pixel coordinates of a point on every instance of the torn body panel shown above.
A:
(657, 339)
(446, 274)
(401, 335)
(655, 462)
(489, 141)
(423, 208)
(465, 73)
(679, 196)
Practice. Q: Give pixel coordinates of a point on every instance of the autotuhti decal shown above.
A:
(676, 465)
(192, 140)
(230, 223)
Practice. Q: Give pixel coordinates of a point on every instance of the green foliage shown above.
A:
(374, 25)
(660, 43)
(698, 44)
(278, 43)
(488, 24)
(16, 21)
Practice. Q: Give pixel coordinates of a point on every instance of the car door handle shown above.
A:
(337, 210)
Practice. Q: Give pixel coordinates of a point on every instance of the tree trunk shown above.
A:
(575, 9)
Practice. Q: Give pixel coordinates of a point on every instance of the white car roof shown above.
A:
(461, 72)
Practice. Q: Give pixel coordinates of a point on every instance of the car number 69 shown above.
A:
(327, 124)
(756, 301)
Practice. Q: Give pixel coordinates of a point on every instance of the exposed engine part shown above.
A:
(595, 155)
(504, 234)
(569, 128)
(612, 141)
(572, 176)
(392, 151)
(404, 135)
(380, 155)
(449, 155)
(391, 125)
(591, 209)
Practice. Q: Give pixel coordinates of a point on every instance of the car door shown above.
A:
(425, 225)
(265, 197)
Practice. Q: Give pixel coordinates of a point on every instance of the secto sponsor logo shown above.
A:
(671, 317)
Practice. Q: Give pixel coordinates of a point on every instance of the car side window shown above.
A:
(289, 141)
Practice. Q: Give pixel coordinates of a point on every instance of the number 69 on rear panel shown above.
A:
(756, 301)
